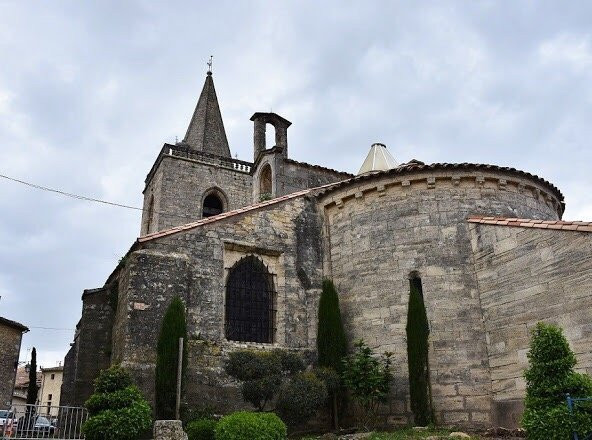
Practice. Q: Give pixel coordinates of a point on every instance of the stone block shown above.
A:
(169, 430)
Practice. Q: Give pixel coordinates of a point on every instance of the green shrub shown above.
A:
(549, 378)
(112, 379)
(167, 354)
(191, 413)
(262, 373)
(418, 330)
(117, 409)
(201, 429)
(300, 398)
(113, 400)
(368, 378)
(246, 425)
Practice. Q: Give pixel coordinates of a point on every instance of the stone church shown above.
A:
(246, 245)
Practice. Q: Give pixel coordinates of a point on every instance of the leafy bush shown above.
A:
(418, 330)
(117, 409)
(368, 378)
(191, 413)
(167, 354)
(549, 378)
(245, 425)
(201, 429)
(300, 398)
(262, 373)
(113, 400)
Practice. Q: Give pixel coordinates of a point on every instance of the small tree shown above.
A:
(262, 373)
(549, 378)
(331, 341)
(277, 375)
(117, 409)
(368, 378)
(32, 389)
(173, 327)
(417, 355)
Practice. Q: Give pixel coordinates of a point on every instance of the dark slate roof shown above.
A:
(532, 223)
(206, 129)
(415, 166)
(14, 324)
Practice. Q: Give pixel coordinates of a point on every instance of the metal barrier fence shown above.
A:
(42, 421)
(572, 402)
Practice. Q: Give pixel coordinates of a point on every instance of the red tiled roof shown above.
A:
(224, 215)
(532, 223)
(22, 377)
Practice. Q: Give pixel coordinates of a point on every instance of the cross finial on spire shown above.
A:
(210, 64)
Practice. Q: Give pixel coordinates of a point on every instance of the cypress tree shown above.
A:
(173, 327)
(417, 354)
(331, 342)
(32, 389)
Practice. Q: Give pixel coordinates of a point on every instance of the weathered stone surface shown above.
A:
(91, 350)
(10, 345)
(378, 239)
(169, 430)
(545, 276)
(484, 286)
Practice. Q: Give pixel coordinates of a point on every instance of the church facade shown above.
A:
(247, 244)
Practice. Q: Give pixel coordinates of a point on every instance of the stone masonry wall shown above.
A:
(526, 275)
(179, 186)
(379, 232)
(10, 345)
(194, 265)
(289, 176)
(92, 349)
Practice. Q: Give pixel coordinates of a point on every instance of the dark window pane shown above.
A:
(250, 313)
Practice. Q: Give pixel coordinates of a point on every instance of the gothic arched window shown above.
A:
(265, 185)
(250, 302)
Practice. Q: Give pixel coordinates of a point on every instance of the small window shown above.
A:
(52, 377)
(148, 222)
(49, 396)
(212, 205)
(265, 183)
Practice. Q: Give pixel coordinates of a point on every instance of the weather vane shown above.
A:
(210, 64)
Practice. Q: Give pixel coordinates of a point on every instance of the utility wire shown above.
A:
(90, 199)
(52, 328)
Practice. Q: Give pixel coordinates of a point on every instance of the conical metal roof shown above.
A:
(378, 159)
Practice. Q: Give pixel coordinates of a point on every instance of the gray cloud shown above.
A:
(90, 91)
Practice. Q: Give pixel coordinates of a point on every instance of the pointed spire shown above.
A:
(378, 159)
(206, 129)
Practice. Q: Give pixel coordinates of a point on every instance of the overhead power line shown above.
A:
(89, 199)
(53, 328)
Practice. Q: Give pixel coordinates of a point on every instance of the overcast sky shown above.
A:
(89, 92)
